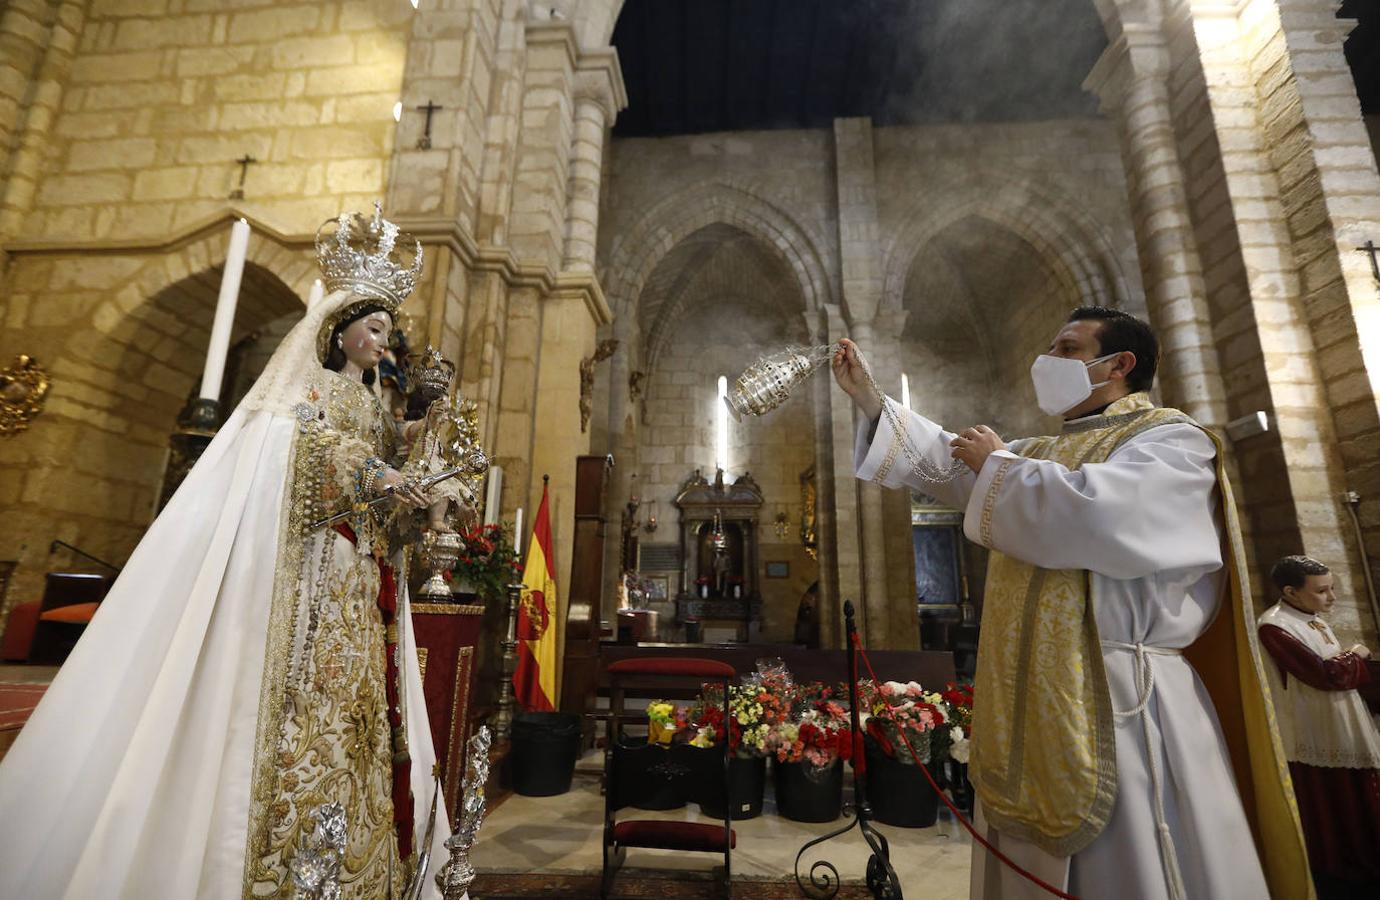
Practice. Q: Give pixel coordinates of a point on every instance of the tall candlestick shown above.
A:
(492, 492)
(318, 293)
(225, 311)
(517, 534)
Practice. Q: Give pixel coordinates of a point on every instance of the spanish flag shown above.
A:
(534, 682)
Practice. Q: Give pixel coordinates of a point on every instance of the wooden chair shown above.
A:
(647, 678)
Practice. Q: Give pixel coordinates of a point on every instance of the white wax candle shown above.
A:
(517, 533)
(318, 293)
(225, 311)
(491, 494)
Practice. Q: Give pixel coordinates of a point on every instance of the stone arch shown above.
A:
(636, 252)
(126, 370)
(1049, 222)
(726, 262)
(594, 20)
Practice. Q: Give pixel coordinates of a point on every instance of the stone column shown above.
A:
(599, 96)
(537, 232)
(25, 26)
(840, 553)
(27, 160)
(1132, 81)
(859, 253)
(875, 626)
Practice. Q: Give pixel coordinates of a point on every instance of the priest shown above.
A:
(1098, 756)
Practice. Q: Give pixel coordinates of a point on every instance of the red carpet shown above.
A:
(17, 701)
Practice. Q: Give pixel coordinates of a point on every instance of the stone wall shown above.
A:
(1265, 230)
(715, 337)
(979, 248)
(163, 97)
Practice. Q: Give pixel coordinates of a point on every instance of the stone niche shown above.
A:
(718, 540)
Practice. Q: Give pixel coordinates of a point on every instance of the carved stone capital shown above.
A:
(599, 80)
(1139, 54)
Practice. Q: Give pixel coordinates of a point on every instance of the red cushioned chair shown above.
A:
(19, 632)
(645, 677)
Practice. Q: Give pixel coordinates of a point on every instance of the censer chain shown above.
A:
(921, 468)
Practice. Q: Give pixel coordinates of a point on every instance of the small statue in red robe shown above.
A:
(1329, 736)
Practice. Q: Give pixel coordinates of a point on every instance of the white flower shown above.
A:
(961, 746)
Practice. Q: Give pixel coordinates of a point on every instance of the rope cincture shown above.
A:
(1003, 858)
(1145, 688)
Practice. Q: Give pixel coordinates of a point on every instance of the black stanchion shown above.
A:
(823, 877)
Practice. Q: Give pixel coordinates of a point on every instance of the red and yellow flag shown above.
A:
(534, 682)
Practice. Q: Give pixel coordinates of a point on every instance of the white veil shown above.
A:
(295, 364)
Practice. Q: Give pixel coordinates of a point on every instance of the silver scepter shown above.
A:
(768, 383)
(476, 463)
(458, 873)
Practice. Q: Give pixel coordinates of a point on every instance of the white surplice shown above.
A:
(1145, 524)
(132, 778)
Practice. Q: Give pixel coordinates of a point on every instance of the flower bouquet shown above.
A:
(486, 563)
(663, 722)
(960, 699)
(903, 724)
(809, 748)
(760, 702)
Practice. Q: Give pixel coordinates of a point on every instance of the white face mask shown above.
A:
(1061, 384)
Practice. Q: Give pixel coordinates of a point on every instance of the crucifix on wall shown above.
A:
(1369, 247)
(424, 142)
(244, 163)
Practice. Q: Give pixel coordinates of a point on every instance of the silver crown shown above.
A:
(433, 373)
(369, 257)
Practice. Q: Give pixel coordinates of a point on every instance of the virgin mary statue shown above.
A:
(247, 669)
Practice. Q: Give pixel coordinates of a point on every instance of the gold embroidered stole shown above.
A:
(1044, 755)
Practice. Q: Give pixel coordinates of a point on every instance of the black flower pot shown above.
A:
(747, 783)
(899, 794)
(806, 793)
(650, 776)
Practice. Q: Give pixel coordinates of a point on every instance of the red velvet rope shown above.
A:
(857, 648)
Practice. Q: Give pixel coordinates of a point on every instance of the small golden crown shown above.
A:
(432, 373)
(369, 257)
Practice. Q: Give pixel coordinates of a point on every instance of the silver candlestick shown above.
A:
(507, 700)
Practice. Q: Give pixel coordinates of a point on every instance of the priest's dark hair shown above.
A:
(1121, 332)
(335, 356)
(1293, 571)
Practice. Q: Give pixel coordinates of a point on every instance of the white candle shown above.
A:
(225, 311)
(517, 533)
(491, 494)
(318, 293)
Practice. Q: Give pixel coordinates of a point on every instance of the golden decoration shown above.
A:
(23, 385)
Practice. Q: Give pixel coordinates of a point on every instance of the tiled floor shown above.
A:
(562, 835)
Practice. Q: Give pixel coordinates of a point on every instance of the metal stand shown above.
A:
(196, 425)
(507, 700)
(824, 881)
